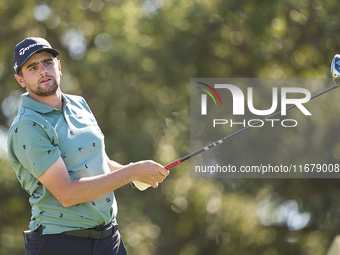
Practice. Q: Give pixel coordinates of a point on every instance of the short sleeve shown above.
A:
(34, 146)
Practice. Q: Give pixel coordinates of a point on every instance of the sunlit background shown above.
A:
(132, 61)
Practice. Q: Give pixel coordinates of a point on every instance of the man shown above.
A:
(57, 151)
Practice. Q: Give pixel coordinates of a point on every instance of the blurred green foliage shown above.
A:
(132, 61)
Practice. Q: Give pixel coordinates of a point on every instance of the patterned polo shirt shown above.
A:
(38, 137)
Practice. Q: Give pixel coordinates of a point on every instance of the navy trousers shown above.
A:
(59, 244)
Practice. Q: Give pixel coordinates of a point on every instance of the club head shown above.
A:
(335, 69)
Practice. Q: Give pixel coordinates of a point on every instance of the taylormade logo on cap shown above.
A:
(25, 49)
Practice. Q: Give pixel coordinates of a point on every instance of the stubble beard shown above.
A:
(44, 91)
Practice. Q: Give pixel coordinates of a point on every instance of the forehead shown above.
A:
(37, 57)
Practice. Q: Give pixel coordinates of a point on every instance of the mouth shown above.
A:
(45, 80)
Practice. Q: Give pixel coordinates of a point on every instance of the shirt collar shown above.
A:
(34, 105)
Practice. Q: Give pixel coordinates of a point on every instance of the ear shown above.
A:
(20, 80)
(59, 68)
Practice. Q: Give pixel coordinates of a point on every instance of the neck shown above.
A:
(55, 100)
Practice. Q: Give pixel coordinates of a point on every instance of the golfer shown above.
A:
(57, 151)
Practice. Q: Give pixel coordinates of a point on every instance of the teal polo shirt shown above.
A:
(38, 137)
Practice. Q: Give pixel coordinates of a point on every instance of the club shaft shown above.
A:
(214, 144)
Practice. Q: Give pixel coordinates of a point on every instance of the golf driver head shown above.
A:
(335, 69)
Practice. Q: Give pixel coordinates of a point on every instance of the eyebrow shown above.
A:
(36, 63)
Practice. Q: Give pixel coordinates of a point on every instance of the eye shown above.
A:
(32, 68)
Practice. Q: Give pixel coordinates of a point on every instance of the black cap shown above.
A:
(25, 49)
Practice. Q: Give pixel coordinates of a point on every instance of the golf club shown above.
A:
(335, 73)
(335, 69)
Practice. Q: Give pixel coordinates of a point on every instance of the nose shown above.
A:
(42, 69)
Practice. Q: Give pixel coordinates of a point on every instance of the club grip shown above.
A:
(173, 164)
(142, 186)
